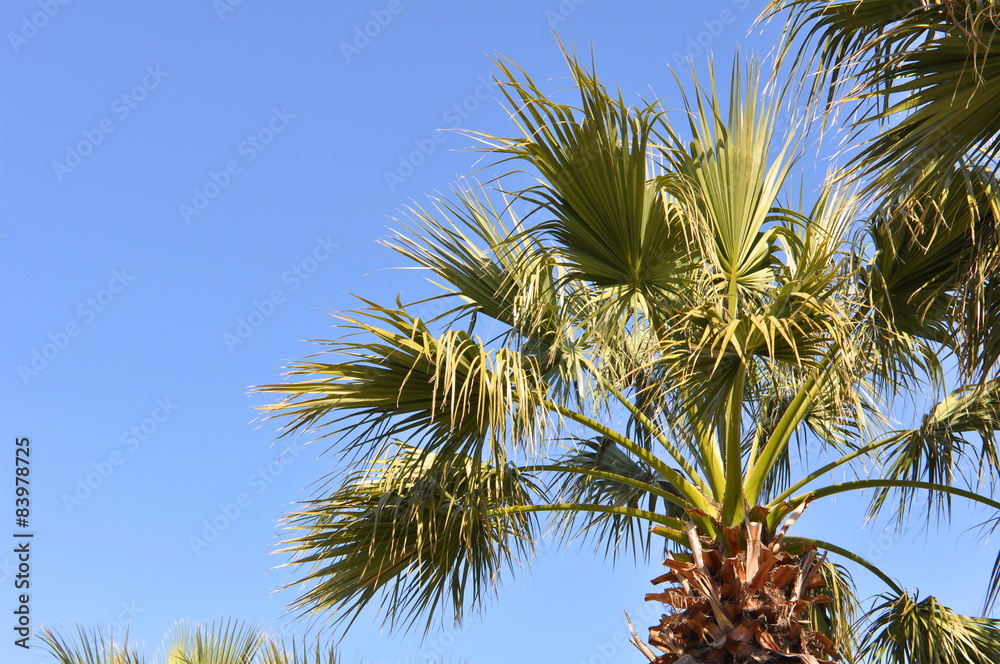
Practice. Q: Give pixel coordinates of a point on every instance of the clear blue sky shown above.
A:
(187, 187)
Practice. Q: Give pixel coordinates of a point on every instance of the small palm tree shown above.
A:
(648, 346)
(222, 642)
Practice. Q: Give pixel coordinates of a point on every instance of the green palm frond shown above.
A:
(734, 167)
(466, 244)
(931, 70)
(926, 75)
(225, 641)
(484, 260)
(838, 617)
(907, 630)
(221, 642)
(993, 586)
(611, 222)
(89, 647)
(428, 535)
(940, 452)
(497, 270)
(927, 251)
(616, 534)
(292, 652)
(446, 390)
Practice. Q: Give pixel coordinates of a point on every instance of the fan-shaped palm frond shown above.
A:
(226, 641)
(931, 69)
(940, 451)
(221, 642)
(89, 647)
(429, 535)
(612, 532)
(908, 630)
(612, 223)
(449, 390)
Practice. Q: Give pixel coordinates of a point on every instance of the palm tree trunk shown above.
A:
(743, 600)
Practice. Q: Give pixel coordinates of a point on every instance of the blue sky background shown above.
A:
(117, 300)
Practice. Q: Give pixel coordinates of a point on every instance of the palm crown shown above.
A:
(636, 358)
(633, 341)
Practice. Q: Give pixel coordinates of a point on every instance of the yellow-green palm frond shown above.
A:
(941, 451)
(908, 630)
(615, 533)
(447, 391)
(89, 647)
(225, 641)
(417, 535)
(610, 220)
(221, 642)
(931, 278)
(297, 652)
(482, 256)
(483, 259)
(838, 617)
(930, 70)
(730, 174)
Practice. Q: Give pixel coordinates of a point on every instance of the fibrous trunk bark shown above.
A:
(741, 600)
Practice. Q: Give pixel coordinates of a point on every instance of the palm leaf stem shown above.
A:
(648, 424)
(850, 555)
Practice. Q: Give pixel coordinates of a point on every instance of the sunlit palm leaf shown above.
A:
(448, 391)
(907, 630)
(419, 536)
(735, 166)
(89, 647)
(931, 69)
(838, 617)
(926, 251)
(610, 220)
(940, 451)
(498, 271)
(225, 641)
(221, 642)
(279, 652)
(616, 534)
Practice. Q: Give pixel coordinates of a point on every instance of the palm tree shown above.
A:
(222, 642)
(648, 346)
